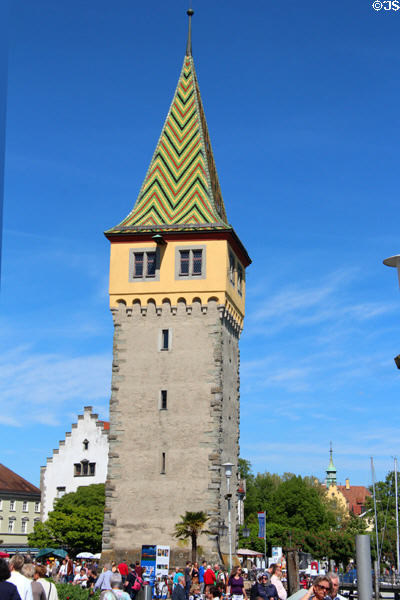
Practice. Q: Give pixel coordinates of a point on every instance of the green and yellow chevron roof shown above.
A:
(181, 190)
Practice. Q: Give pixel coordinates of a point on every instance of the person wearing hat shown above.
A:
(264, 589)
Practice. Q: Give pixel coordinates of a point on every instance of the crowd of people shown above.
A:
(22, 579)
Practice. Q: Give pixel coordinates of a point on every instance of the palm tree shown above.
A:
(191, 526)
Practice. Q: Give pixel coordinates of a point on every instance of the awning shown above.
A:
(244, 552)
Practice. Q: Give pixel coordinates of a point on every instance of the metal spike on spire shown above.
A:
(189, 13)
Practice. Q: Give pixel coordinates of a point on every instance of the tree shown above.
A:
(75, 523)
(191, 526)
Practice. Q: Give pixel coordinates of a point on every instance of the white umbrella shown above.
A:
(85, 555)
(98, 555)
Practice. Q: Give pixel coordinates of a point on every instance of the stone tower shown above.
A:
(331, 471)
(177, 292)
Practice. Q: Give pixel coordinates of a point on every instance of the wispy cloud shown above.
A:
(42, 387)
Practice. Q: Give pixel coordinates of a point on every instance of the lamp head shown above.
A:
(228, 469)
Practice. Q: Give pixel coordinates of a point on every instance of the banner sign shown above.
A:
(261, 525)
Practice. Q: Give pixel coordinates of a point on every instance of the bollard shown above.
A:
(376, 579)
(364, 571)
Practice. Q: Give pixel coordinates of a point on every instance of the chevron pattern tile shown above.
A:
(181, 188)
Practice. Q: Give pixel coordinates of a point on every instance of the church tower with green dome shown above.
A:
(331, 471)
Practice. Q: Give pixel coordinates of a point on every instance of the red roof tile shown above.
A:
(11, 482)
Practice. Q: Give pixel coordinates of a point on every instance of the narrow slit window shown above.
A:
(85, 466)
(232, 269)
(165, 339)
(163, 399)
(240, 280)
(85, 444)
(163, 463)
(92, 469)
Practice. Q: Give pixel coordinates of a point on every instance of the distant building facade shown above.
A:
(350, 498)
(81, 459)
(19, 509)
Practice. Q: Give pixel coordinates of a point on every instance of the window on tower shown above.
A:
(232, 268)
(190, 262)
(240, 279)
(144, 264)
(185, 262)
(163, 463)
(163, 404)
(165, 339)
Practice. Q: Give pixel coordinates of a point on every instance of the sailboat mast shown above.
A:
(397, 516)
(376, 519)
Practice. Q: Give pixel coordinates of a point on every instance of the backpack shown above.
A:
(138, 584)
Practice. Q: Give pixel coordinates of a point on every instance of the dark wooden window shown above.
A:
(92, 468)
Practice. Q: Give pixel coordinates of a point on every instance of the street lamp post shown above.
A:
(228, 474)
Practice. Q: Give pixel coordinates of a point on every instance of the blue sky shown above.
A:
(302, 105)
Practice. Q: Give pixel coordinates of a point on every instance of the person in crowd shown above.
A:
(236, 587)
(103, 582)
(70, 569)
(124, 570)
(263, 589)
(50, 589)
(92, 578)
(276, 576)
(194, 573)
(116, 589)
(221, 578)
(130, 582)
(62, 572)
(138, 569)
(178, 593)
(178, 573)
(202, 569)
(54, 569)
(8, 591)
(81, 578)
(188, 578)
(321, 587)
(29, 571)
(334, 577)
(209, 577)
(23, 584)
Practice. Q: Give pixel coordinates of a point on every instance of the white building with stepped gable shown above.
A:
(81, 459)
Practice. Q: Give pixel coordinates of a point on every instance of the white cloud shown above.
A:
(41, 387)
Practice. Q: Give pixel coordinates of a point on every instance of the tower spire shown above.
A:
(189, 13)
(331, 470)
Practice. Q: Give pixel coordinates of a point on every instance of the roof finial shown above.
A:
(189, 13)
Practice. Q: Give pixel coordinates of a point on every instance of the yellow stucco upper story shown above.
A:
(189, 269)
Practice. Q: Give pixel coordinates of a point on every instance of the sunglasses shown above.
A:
(322, 587)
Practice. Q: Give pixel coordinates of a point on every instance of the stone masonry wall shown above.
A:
(198, 432)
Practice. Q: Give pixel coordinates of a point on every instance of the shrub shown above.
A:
(67, 591)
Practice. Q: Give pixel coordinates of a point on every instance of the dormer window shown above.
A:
(85, 444)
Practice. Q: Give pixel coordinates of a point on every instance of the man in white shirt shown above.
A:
(22, 583)
(334, 577)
